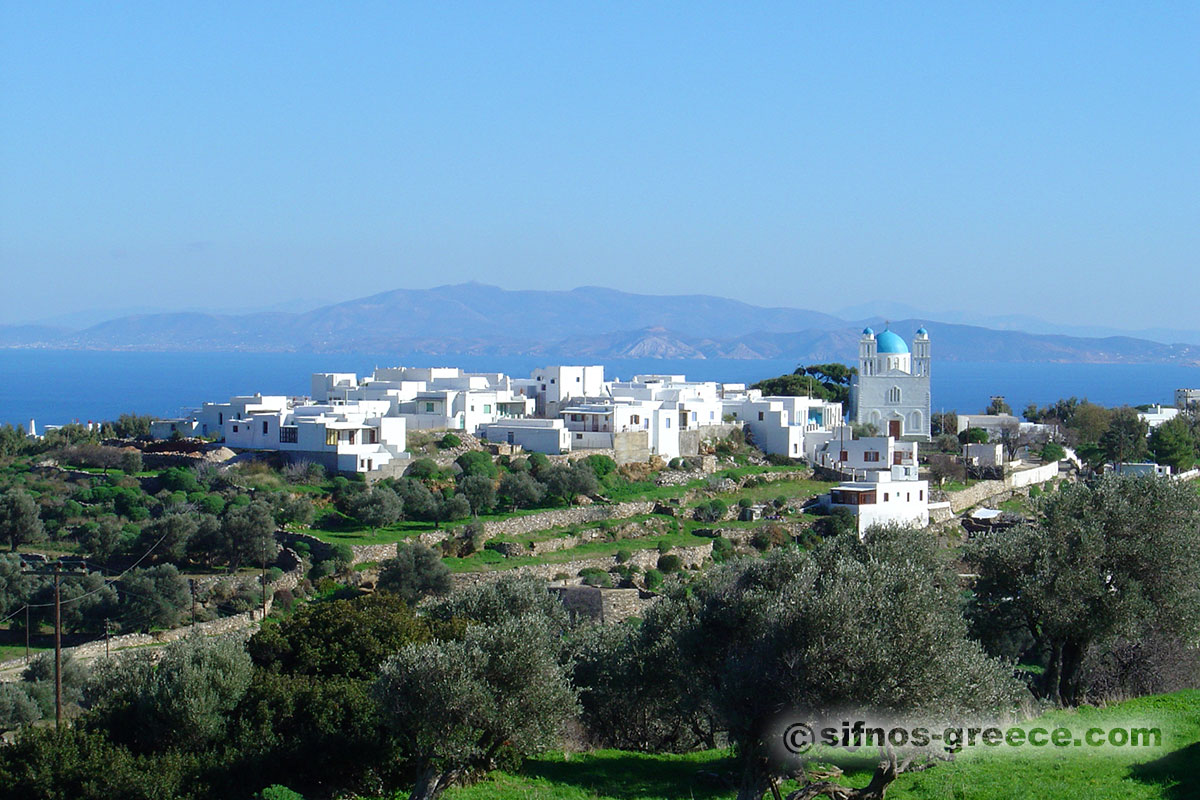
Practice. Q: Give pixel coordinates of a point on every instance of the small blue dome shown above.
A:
(889, 342)
(922, 332)
(868, 332)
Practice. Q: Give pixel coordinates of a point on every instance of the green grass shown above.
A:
(11, 651)
(1171, 772)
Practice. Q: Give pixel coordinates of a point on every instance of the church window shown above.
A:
(894, 394)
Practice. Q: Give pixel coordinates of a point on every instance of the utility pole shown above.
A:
(106, 637)
(57, 646)
(264, 579)
(27, 633)
(192, 586)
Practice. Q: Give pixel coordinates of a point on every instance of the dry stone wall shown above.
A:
(691, 556)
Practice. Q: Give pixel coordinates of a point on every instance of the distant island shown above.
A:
(584, 323)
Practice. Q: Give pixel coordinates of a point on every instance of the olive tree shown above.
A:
(183, 700)
(19, 520)
(873, 625)
(415, 572)
(1116, 557)
(454, 705)
(377, 507)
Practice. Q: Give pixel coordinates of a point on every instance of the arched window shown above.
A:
(914, 421)
(894, 394)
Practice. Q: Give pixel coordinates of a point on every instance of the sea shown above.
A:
(60, 386)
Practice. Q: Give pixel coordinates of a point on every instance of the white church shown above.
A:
(891, 389)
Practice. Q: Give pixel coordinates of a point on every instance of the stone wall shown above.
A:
(693, 556)
(999, 491)
(631, 446)
(602, 605)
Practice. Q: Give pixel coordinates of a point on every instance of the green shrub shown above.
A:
(624, 555)
(477, 462)
(712, 511)
(422, 469)
(745, 502)
(602, 465)
(654, 579)
(449, 442)
(1053, 451)
(594, 576)
(278, 792)
(779, 460)
(722, 549)
(675, 463)
(669, 563)
(664, 547)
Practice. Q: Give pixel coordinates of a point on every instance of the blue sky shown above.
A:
(1036, 158)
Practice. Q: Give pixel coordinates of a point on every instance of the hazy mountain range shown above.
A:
(581, 324)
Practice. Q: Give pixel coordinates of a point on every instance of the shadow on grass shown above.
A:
(1177, 772)
(633, 775)
(696, 776)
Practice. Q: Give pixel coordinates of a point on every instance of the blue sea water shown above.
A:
(53, 386)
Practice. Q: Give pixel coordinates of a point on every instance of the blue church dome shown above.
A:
(868, 332)
(888, 342)
(922, 332)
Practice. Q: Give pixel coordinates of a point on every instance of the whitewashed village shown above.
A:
(361, 425)
(413, 489)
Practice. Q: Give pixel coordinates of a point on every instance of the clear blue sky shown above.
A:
(1040, 158)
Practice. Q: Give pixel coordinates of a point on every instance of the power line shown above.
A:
(97, 590)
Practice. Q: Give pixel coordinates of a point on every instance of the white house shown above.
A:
(549, 436)
(1146, 468)
(996, 425)
(351, 437)
(880, 500)
(790, 426)
(1156, 415)
(552, 388)
(984, 455)
(213, 416)
(891, 390)
(166, 428)
(1187, 398)
(869, 454)
(594, 424)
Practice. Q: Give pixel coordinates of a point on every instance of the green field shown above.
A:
(1171, 772)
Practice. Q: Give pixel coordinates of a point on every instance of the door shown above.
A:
(894, 428)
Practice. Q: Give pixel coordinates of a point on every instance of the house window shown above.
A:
(871, 455)
(264, 427)
(845, 456)
(429, 408)
(921, 494)
(760, 416)
(668, 422)
(577, 379)
(885, 497)
(221, 418)
(235, 428)
(579, 436)
(635, 419)
(552, 381)
(331, 438)
(288, 434)
(487, 409)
